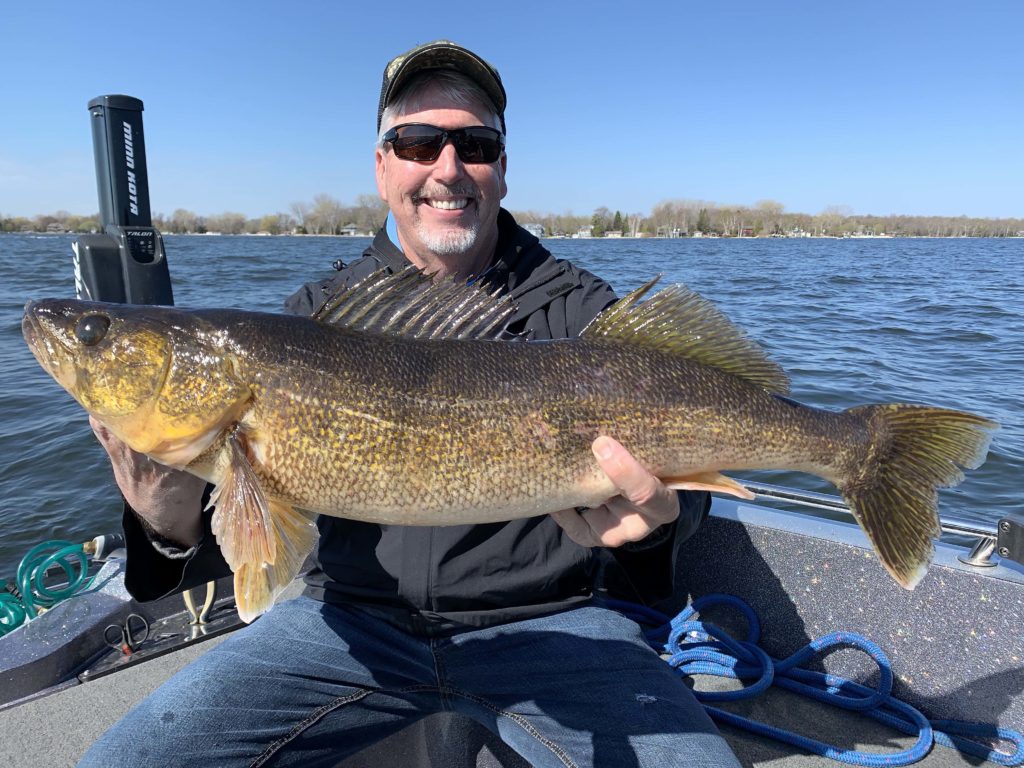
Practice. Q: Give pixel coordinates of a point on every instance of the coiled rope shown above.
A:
(693, 647)
(33, 596)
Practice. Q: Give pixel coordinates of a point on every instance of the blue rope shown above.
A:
(696, 648)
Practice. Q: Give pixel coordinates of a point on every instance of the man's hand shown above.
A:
(644, 503)
(167, 499)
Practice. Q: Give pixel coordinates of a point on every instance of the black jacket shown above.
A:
(433, 580)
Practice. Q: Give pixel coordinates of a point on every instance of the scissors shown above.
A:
(127, 637)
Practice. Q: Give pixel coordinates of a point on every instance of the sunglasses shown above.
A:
(423, 143)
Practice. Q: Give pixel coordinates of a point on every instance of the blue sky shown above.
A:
(885, 107)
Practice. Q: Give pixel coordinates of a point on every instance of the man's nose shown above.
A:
(448, 167)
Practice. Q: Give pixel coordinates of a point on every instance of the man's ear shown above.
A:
(379, 171)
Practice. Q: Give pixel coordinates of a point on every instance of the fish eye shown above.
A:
(91, 329)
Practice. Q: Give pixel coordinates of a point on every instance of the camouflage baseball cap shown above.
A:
(441, 54)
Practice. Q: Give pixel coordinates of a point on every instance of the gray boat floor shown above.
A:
(55, 730)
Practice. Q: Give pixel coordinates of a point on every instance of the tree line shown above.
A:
(683, 218)
(325, 215)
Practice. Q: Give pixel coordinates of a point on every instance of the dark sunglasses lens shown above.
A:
(421, 143)
(477, 145)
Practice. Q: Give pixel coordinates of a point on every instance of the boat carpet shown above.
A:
(55, 730)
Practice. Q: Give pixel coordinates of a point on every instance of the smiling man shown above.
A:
(501, 622)
(441, 171)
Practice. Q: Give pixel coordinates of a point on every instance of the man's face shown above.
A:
(446, 211)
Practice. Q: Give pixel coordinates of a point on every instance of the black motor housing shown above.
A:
(126, 263)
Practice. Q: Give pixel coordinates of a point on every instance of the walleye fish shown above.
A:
(397, 403)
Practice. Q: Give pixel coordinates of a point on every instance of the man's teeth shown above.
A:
(449, 205)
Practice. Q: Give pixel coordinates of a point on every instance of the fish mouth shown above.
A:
(34, 336)
(49, 350)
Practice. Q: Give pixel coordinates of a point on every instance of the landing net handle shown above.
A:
(126, 263)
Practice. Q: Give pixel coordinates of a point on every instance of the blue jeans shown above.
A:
(311, 683)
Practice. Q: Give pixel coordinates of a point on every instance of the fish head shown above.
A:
(159, 378)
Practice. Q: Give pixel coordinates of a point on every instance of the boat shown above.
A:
(787, 584)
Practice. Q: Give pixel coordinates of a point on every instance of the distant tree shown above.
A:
(830, 220)
(301, 213)
(227, 223)
(42, 222)
(271, 223)
(635, 221)
(600, 221)
(326, 217)
(769, 213)
(183, 221)
(703, 221)
(369, 213)
(286, 223)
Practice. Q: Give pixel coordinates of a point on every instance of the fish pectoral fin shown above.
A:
(263, 540)
(241, 518)
(707, 481)
(257, 585)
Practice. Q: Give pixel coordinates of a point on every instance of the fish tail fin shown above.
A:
(892, 485)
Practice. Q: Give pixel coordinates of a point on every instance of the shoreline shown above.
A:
(569, 237)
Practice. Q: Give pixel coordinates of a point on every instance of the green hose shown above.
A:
(36, 597)
(12, 612)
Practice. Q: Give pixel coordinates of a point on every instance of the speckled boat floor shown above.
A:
(55, 731)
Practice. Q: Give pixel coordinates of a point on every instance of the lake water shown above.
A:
(852, 321)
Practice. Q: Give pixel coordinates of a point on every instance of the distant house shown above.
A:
(349, 230)
(667, 231)
(55, 227)
(537, 230)
(585, 231)
(613, 233)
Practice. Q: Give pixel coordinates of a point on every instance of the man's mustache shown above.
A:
(440, 190)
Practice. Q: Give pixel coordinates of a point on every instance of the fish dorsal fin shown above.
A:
(679, 321)
(410, 303)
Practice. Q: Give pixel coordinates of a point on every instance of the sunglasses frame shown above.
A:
(457, 137)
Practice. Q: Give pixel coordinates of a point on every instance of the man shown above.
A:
(498, 622)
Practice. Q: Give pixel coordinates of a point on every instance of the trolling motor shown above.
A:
(126, 263)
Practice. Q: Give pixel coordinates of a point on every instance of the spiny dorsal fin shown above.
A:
(409, 303)
(679, 321)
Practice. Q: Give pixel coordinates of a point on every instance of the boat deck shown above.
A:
(56, 730)
(955, 644)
